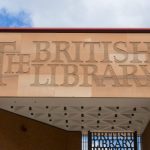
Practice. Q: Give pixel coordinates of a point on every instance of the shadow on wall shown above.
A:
(21, 133)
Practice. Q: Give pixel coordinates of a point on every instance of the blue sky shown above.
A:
(21, 19)
(74, 13)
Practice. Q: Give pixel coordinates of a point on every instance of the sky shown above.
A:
(75, 13)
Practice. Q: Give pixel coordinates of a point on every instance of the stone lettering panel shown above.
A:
(75, 64)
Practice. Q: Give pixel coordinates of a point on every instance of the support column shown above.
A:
(146, 138)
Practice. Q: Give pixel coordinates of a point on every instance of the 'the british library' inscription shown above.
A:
(62, 57)
(76, 63)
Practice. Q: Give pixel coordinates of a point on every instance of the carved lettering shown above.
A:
(120, 51)
(42, 53)
(70, 71)
(23, 63)
(92, 51)
(62, 47)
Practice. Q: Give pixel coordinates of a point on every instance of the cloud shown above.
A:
(83, 13)
(20, 19)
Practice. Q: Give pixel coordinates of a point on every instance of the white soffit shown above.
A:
(79, 114)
